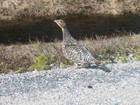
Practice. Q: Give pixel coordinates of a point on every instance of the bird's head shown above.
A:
(60, 23)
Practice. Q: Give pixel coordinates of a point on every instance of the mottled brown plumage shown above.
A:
(77, 52)
(73, 50)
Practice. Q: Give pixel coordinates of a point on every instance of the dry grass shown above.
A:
(10, 9)
(22, 58)
(15, 57)
(107, 48)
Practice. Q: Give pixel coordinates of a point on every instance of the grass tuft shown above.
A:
(44, 56)
(42, 62)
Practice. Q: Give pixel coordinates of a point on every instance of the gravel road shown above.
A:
(73, 87)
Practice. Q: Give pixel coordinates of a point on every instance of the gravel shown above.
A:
(73, 87)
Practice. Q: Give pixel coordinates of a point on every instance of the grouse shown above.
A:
(74, 50)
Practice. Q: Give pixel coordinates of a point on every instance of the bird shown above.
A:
(74, 50)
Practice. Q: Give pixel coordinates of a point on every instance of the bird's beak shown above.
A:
(55, 21)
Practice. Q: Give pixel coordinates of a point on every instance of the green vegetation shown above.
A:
(42, 62)
(34, 17)
(44, 56)
(45, 62)
(137, 56)
(115, 49)
(20, 70)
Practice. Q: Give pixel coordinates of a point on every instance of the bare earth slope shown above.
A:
(73, 87)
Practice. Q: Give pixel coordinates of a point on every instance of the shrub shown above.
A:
(42, 62)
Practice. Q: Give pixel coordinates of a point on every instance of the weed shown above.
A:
(137, 56)
(43, 56)
(20, 70)
(41, 62)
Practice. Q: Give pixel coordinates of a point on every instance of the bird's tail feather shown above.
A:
(102, 67)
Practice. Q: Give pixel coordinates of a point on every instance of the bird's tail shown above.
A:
(104, 68)
(99, 65)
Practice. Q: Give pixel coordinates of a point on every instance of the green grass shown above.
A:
(42, 62)
(116, 48)
(43, 56)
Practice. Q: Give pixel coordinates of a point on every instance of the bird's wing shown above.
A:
(72, 52)
(79, 53)
(87, 56)
(86, 51)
